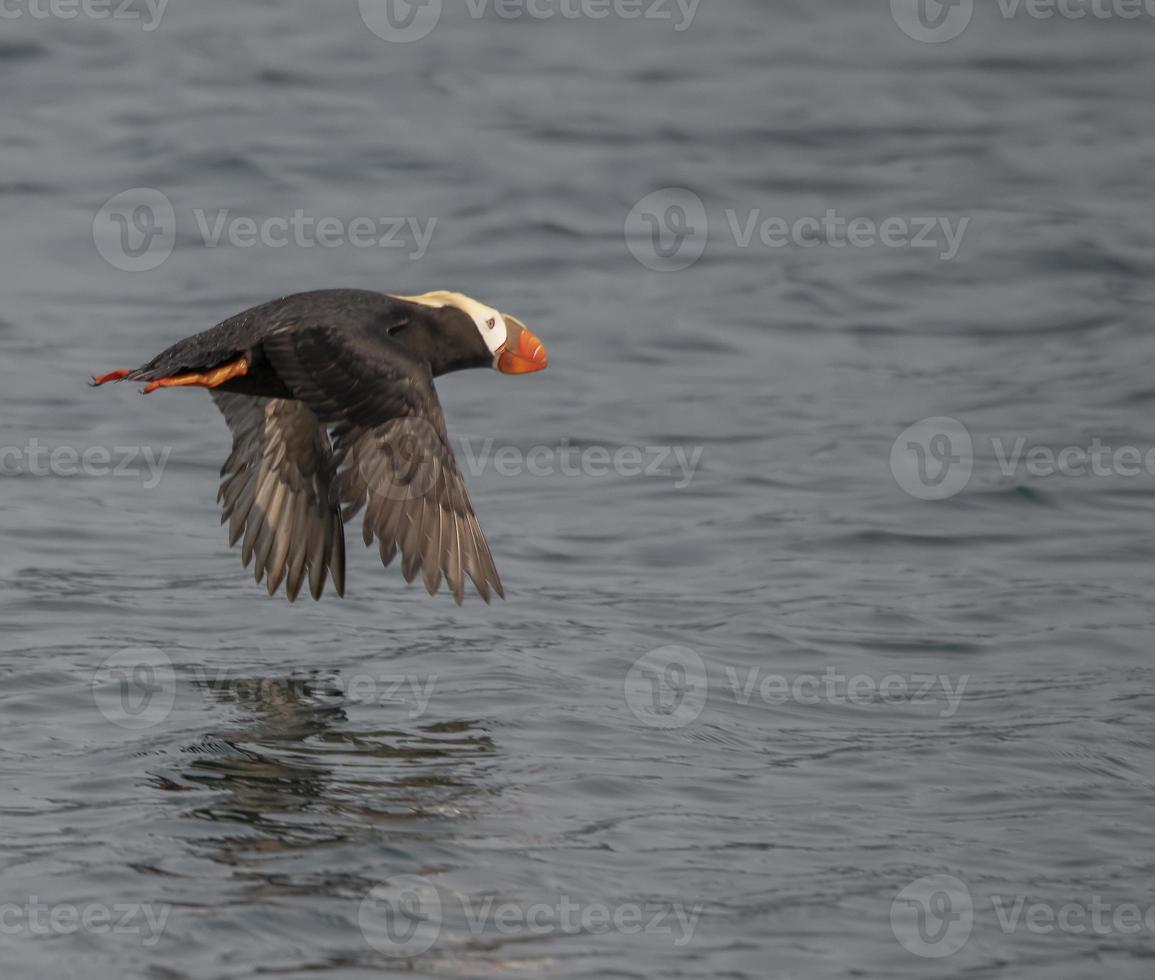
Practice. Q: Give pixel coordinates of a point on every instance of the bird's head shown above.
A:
(512, 347)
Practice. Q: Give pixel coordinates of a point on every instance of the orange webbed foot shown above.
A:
(106, 378)
(208, 379)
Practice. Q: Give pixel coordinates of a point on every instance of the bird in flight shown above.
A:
(330, 399)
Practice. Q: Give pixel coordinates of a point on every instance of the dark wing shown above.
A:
(393, 455)
(276, 491)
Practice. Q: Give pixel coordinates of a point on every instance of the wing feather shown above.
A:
(392, 458)
(276, 494)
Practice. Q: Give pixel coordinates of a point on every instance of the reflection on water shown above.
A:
(289, 766)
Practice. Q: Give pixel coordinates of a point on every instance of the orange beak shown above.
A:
(524, 353)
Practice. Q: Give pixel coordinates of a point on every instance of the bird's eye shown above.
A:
(491, 322)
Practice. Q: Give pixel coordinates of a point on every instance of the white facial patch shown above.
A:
(490, 324)
(493, 330)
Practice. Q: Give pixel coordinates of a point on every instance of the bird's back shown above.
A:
(243, 334)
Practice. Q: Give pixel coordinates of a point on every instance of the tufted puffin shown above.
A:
(330, 399)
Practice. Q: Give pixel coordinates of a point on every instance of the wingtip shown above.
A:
(317, 588)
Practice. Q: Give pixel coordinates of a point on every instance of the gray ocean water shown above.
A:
(801, 702)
